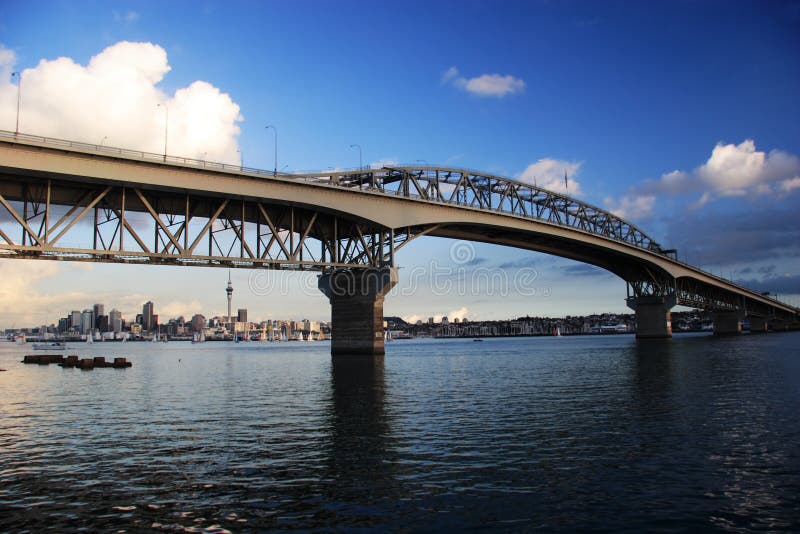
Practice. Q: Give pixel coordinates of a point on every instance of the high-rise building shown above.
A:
(87, 322)
(100, 318)
(147, 316)
(242, 315)
(75, 320)
(115, 320)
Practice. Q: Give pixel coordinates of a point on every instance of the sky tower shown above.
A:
(229, 291)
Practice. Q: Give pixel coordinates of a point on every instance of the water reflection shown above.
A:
(359, 452)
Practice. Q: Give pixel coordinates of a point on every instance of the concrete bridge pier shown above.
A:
(653, 318)
(728, 323)
(356, 297)
(758, 325)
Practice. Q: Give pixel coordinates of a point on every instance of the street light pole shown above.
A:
(360, 161)
(166, 128)
(275, 171)
(19, 89)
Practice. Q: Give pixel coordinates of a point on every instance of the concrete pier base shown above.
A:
(653, 318)
(728, 323)
(356, 298)
(758, 325)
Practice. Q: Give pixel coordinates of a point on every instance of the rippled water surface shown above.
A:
(598, 433)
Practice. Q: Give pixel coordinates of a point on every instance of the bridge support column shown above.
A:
(356, 298)
(728, 323)
(758, 325)
(653, 319)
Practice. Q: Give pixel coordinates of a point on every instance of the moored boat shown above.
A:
(53, 345)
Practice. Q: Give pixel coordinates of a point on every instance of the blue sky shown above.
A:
(620, 93)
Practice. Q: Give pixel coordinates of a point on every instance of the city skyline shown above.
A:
(682, 120)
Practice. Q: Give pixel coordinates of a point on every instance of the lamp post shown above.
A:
(166, 128)
(19, 89)
(275, 171)
(360, 164)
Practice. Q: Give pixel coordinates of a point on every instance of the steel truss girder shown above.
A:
(476, 190)
(111, 224)
(695, 294)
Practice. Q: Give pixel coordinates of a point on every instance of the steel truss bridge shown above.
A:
(66, 200)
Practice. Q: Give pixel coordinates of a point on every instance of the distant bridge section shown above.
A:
(65, 200)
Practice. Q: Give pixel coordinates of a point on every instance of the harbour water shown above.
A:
(516, 434)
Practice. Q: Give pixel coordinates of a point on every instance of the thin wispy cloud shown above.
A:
(128, 18)
(485, 85)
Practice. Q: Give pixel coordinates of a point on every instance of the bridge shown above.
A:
(66, 200)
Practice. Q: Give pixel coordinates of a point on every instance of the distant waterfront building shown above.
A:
(75, 320)
(147, 316)
(242, 315)
(87, 321)
(115, 320)
(99, 309)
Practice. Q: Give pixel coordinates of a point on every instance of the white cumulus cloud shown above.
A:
(115, 99)
(492, 85)
(24, 303)
(549, 174)
(631, 206)
(730, 171)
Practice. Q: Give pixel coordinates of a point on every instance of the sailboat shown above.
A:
(89, 338)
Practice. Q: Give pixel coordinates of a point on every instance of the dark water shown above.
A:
(590, 433)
